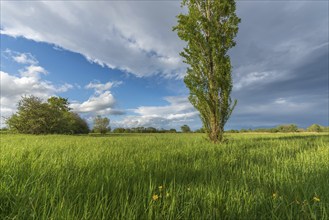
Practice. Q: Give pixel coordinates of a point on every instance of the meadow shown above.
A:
(164, 176)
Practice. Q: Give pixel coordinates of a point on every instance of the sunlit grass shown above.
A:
(164, 176)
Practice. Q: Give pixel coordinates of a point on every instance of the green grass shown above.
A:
(252, 176)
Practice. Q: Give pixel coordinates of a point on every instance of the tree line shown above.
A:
(101, 126)
(283, 129)
(54, 116)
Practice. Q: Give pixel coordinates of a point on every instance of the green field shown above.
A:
(164, 176)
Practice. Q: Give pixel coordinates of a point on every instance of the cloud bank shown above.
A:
(179, 111)
(135, 37)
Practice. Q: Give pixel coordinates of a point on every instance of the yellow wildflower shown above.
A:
(274, 195)
(155, 197)
(160, 187)
(316, 199)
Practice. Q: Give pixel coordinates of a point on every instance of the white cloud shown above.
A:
(135, 37)
(65, 87)
(95, 103)
(25, 59)
(101, 102)
(16, 86)
(33, 71)
(21, 58)
(99, 87)
(178, 112)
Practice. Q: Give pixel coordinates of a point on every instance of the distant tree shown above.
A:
(209, 28)
(314, 128)
(101, 124)
(140, 129)
(325, 129)
(172, 130)
(128, 130)
(273, 130)
(119, 130)
(185, 129)
(287, 128)
(34, 116)
(200, 130)
(150, 130)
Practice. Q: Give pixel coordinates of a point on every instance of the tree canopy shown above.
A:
(315, 128)
(185, 129)
(101, 124)
(34, 116)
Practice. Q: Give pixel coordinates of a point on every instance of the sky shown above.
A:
(120, 59)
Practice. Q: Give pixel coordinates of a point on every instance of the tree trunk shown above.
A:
(221, 133)
(214, 129)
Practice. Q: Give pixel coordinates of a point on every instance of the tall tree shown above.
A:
(209, 28)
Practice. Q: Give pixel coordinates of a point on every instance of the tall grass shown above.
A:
(164, 176)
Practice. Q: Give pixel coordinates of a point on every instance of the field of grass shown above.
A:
(164, 176)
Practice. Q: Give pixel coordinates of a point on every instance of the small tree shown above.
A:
(119, 130)
(185, 129)
(172, 130)
(101, 124)
(314, 128)
(209, 28)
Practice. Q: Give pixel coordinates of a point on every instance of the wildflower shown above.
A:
(316, 199)
(155, 197)
(275, 195)
(160, 187)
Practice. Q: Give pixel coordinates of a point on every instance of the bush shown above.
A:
(315, 128)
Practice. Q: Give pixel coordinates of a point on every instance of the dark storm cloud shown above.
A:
(281, 64)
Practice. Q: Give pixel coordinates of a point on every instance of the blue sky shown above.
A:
(121, 60)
